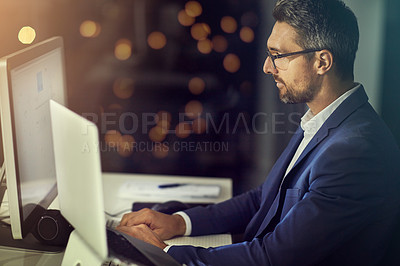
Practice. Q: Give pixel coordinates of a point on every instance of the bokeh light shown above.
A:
(112, 138)
(183, 130)
(26, 35)
(199, 125)
(204, 46)
(164, 124)
(160, 131)
(193, 109)
(161, 151)
(228, 24)
(123, 49)
(196, 85)
(90, 29)
(157, 40)
(163, 116)
(123, 88)
(247, 34)
(200, 31)
(157, 133)
(193, 9)
(220, 44)
(125, 145)
(184, 19)
(231, 63)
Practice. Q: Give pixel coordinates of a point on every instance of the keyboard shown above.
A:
(112, 222)
(136, 206)
(120, 247)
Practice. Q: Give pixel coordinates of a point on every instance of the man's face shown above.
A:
(296, 81)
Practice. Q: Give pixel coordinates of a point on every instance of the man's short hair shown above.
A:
(323, 24)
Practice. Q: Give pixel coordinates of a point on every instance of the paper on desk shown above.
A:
(132, 189)
(201, 241)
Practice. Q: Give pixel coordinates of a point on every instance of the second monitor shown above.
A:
(28, 79)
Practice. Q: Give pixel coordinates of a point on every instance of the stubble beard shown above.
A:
(290, 95)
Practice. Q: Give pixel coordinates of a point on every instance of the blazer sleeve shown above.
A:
(231, 216)
(346, 193)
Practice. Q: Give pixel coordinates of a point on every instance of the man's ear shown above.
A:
(324, 61)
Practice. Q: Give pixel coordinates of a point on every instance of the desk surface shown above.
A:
(113, 204)
(112, 182)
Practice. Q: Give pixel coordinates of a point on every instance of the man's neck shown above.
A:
(328, 93)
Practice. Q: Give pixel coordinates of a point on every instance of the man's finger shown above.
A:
(125, 218)
(143, 216)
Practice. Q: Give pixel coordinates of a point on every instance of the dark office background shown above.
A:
(180, 90)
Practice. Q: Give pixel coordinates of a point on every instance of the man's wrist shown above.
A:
(187, 223)
(181, 225)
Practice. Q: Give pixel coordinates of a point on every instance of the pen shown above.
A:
(171, 185)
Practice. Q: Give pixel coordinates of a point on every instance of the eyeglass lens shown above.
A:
(280, 63)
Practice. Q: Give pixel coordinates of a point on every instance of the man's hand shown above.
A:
(143, 232)
(163, 225)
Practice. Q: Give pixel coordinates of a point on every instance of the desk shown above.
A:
(112, 182)
(113, 204)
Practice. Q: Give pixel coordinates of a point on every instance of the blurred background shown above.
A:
(176, 87)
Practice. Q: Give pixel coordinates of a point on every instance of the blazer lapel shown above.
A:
(279, 169)
(270, 204)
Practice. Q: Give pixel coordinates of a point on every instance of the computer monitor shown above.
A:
(2, 170)
(28, 80)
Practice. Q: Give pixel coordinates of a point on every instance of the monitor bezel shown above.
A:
(19, 227)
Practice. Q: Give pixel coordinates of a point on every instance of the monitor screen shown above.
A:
(29, 79)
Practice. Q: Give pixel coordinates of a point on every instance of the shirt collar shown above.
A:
(311, 123)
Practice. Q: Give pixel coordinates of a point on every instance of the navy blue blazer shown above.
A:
(337, 206)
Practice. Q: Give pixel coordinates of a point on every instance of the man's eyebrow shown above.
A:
(273, 49)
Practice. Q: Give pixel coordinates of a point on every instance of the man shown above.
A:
(333, 196)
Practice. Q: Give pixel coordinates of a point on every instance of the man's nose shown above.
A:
(269, 67)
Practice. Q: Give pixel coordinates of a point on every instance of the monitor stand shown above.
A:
(28, 243)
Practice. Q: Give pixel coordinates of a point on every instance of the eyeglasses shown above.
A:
(281, 61)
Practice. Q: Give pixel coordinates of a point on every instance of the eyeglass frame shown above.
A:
(274, 57)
